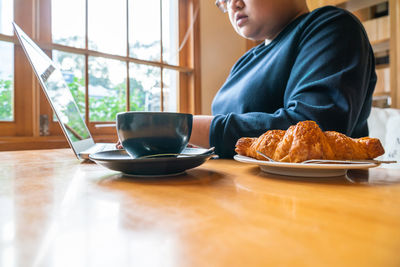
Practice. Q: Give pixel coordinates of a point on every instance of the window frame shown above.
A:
(30, 102)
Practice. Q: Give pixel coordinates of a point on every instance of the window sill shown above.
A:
(44, 142)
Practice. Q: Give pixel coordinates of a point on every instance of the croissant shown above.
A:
(305, 141)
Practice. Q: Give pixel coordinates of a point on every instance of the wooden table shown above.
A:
(57, 211)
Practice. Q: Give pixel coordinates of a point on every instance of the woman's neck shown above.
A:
(302, 11)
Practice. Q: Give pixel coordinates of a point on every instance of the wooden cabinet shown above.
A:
(381, 20)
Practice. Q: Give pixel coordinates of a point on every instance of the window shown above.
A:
(6, 82)
(115, 56)
(7, 63)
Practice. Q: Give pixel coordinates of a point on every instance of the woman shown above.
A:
(311, 66)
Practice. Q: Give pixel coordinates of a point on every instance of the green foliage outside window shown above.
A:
(6, 100)
(100, 109)
(106, 108)
(78, 95)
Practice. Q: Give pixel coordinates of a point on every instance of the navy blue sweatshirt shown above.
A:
(320, 67)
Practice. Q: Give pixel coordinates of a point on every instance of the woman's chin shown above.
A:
(248, 34)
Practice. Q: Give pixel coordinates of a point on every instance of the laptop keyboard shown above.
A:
(106, 147)
(101, 147)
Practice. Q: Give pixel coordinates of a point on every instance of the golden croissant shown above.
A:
(305, 141)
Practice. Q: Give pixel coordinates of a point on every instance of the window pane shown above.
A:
(144, 29)
(144, 87)
(68, 22)
(73, 68)
(170, 34)
(6, 81)
(6, 16)
(170, 89)
(107, 88)
(107, 26)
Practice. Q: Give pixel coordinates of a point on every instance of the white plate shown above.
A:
(304, 170)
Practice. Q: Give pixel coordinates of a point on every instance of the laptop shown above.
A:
(61, 100)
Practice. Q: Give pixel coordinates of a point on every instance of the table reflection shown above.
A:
(56, 211)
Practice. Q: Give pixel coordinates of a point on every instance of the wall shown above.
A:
(220, 48)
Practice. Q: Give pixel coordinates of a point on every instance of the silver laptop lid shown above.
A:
(58, 94)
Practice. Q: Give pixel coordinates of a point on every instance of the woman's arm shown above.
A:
(201, 131)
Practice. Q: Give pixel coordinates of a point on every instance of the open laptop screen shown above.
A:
(57, 91)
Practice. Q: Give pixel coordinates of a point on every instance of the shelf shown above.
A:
(384, 34)
(382, 101)
(351, 5)
(354, 5)
(378, 29)
(382, 66)
(381, 95)
(381, 45)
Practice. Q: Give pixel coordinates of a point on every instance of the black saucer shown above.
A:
(119, 160)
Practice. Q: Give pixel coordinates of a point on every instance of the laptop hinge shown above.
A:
(44, 125)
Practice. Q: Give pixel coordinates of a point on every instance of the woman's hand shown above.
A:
(118, 145)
